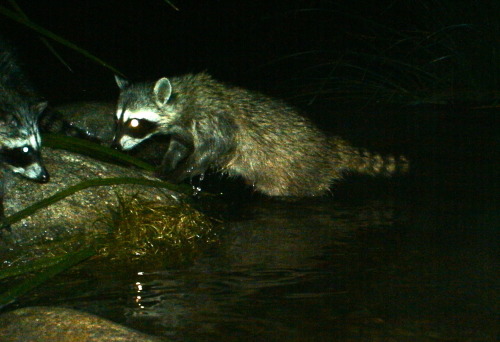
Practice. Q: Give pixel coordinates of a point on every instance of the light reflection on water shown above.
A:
(324, 270)
(417, 264)
(389, 267)
(328, 271)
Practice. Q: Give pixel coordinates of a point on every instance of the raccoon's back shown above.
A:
(11, 75)
(275, 148)
(281, 155)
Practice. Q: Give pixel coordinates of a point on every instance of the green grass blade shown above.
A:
(91, 183)
(172, 5)
(67, 261)
(28, 267)
(44, 32)
(93, 150)
(15, 5)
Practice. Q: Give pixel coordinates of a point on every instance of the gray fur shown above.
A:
(242, 133)
(20, 108)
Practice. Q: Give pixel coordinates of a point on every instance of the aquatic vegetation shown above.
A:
(43, 269)
(142, 233)
(157, 233)
(386, 53)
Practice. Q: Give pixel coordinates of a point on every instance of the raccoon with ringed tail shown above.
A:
(238, 132)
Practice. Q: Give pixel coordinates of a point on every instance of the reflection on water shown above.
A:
(288, 271)
(380, 269)
(418, 263)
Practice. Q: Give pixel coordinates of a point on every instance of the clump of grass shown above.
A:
(157, 232)
(143, 233)
(436, 52)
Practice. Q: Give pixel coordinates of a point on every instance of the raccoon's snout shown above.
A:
(44, 177)
(116, 145)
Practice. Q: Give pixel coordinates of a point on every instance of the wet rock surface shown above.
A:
(94, 121)
(91, 120)
(81, 212)
(54, 324)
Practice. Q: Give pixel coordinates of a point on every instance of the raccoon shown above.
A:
(20, 108)
(238, 132)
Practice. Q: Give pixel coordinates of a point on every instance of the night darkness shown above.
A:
(380, 259)
(317, 55)
(306, 51)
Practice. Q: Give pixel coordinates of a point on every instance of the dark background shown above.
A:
(360, 56)
(238, 41)
(299, 50)
(419, 78)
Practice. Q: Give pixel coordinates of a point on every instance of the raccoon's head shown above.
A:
(20, 140)
(143, 111)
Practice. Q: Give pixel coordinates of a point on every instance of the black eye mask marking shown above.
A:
(139, 128)
(18, 157)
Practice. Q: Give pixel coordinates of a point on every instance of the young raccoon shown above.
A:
(233, 130)
(20, 108)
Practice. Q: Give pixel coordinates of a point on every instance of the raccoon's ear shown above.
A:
(39, 107)
(162, 91)
(121, 82)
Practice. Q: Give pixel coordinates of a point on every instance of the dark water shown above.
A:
(419, 269)
(414, 259)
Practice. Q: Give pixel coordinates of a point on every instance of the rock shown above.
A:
(81, 212)
(53, 324)
(93, 120)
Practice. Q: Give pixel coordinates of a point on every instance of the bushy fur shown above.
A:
(240, 132)
(20, 108)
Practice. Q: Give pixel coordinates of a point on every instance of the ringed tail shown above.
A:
(373, 164)
(369, 163)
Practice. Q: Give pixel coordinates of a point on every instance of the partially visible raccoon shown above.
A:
(233, 130)
(20, 108)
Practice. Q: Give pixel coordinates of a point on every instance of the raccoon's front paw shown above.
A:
(169, 176)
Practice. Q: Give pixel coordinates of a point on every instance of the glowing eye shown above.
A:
(134, 123)
(25, 149)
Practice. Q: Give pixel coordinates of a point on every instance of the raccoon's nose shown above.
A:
(44, 177)
(116, 145)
